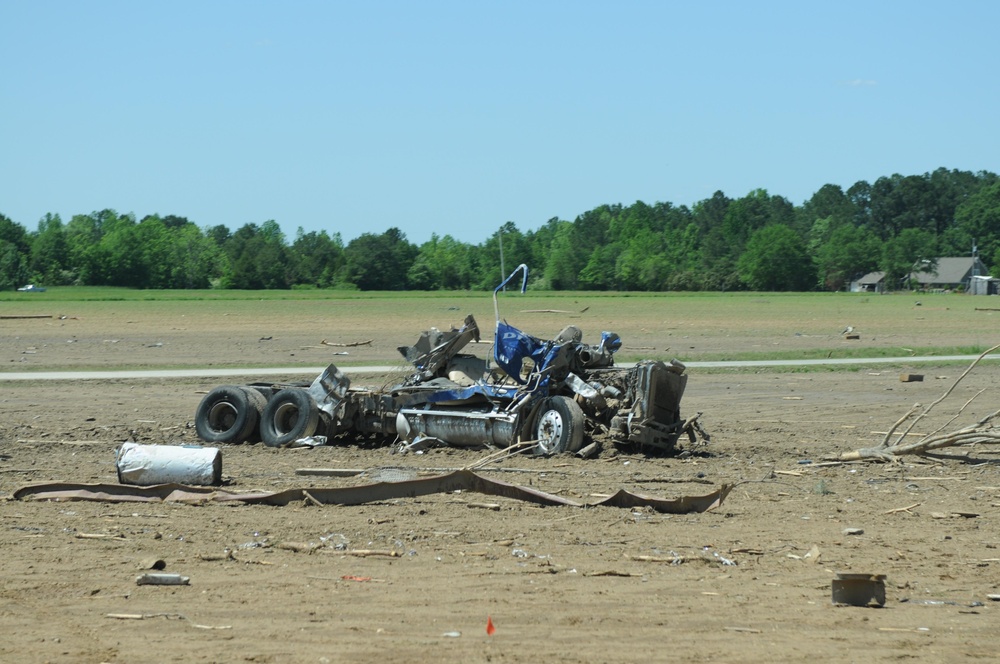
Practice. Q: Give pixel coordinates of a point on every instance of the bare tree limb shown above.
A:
(981, 432)
(368, 342)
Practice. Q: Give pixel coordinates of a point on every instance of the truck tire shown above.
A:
(558, 427)
(290, 414)
(226, 415)
(258, 402)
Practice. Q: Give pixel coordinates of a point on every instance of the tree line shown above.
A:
(758, 242)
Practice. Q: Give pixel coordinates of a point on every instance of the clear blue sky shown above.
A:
(456, 117)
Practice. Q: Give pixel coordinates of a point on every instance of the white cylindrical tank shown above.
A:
(145, 465)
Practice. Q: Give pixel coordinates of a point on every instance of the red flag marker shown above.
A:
(490, 629)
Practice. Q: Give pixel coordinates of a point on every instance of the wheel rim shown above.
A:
(285, 417)
(549, 431)
(222, 417)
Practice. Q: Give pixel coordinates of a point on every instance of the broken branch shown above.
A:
(365, 553)
(981, 432)
(353, 344)
(906, 509)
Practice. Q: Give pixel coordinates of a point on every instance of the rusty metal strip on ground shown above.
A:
(461, 480)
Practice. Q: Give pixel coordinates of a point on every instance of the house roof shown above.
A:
(871, 278)
(952, 270)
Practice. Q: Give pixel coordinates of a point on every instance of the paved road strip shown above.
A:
(310, 372)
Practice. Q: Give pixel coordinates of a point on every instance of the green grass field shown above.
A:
(692, 326)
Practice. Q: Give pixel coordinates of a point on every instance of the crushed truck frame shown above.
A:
(558, 395)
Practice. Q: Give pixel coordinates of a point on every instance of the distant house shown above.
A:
(873, 282)
(951, 273)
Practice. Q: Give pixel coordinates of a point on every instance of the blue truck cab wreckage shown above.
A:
(554, 396)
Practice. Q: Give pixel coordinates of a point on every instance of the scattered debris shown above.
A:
(858, 589)
(953, 515)
(99, 536)
(169, 616)
(382, 472)
(330, 472)
(940, 602)
(485, 506)
(217, 557)
(352, 344)
(671, 560)
(153, 563)
(162, 579)
(545, 311)
(368, 553)
(299, 547)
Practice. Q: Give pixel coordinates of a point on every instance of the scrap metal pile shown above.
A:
(558, 395)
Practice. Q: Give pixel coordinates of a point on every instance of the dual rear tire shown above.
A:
(236, 414)
(230, 414)
(291, 414)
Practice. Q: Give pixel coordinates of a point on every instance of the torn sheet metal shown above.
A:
(460, 480)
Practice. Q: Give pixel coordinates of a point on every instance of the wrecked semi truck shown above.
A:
(555, 396)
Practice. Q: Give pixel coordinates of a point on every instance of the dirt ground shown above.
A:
(560, 584)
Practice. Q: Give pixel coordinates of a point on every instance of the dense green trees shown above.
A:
(775, 259)
(758, 241)
(258, 258)
(379, 262)
(15, 250)
(442, 263)
(978, 220)
(49, 259)
(845, 252)
(318, 258)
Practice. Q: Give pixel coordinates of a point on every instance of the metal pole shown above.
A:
(975, 267)
(503, 271)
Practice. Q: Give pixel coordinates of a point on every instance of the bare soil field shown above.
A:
(749, 581)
